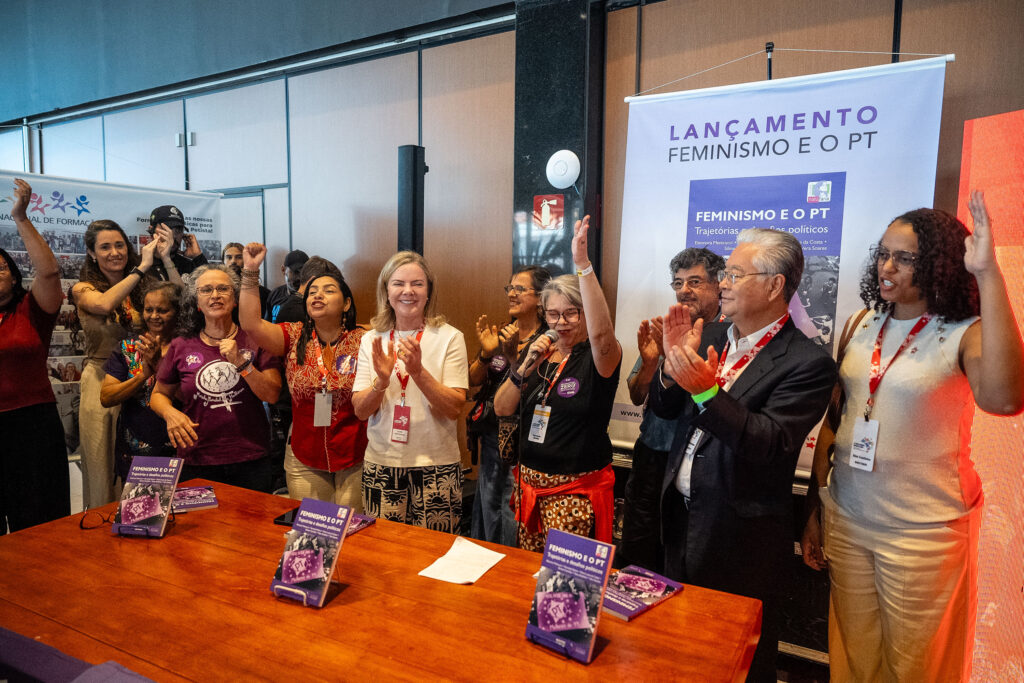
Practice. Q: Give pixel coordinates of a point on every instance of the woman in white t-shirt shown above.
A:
(410, 386)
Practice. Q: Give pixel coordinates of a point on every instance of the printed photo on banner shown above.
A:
(807, 205)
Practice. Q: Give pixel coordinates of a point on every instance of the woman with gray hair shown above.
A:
(223, 377)
(563, 392)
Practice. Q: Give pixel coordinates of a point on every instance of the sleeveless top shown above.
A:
(922, 474)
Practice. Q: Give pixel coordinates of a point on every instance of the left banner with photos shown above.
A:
(61, 210)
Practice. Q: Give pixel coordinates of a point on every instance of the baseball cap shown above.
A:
(295, 259)
(168, 215)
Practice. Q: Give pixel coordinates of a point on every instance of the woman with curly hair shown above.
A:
(901, 499)
(411, 382)
(109, 302)
(131, 374)
(223, 378)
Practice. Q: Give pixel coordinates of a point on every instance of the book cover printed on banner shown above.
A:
(188, 498)
(633, 590)
(359, 522)
(311, 552)
(146, 498)
(570, 589)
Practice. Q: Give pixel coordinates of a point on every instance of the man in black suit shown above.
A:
(743, 412)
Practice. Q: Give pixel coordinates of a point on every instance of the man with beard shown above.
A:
(231, 256)
(291, 269)
(695, 281)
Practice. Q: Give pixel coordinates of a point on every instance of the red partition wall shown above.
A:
(993, 161)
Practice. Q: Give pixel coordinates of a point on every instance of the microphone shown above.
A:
(531, 357)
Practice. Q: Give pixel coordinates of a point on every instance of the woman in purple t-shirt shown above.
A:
(223, 376)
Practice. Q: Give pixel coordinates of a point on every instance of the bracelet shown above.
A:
(586, 271)
(483, 360)
(516, 379)
(253, 273)
(245, 368)
(373, 385)
(137, 271)
(705, 396)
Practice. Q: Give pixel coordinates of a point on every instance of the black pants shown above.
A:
(251, 474)
(34, 483)
(641, 523)
(757, 575)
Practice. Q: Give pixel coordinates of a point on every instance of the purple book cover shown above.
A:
(633, 590)
(570, 588)
(146, 498)
(359, 522)
(311, 552)
(194, 498)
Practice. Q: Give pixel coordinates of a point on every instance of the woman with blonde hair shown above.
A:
(410, 385)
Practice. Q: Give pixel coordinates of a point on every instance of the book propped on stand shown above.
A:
(311, 552)
(570, 589)
(188, 498)
(633, 590)
(146, 498)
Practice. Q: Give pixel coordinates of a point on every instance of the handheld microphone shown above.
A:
(531, 357)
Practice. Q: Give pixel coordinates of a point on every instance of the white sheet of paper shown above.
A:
(465, 562)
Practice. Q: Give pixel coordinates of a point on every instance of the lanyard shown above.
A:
(723, 377)
(878, 372)
(320, 357)
(558, 373)
(403, 380)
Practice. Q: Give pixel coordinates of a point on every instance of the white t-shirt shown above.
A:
(433, 439)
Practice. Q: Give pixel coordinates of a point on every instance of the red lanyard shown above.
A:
(558, 373)
(878, 372)
(724, 378)
(320, 358)
(404, 381)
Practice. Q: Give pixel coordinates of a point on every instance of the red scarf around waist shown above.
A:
(598, 486)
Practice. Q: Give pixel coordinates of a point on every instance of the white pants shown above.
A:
(96, 433)
(903, 601)
(344, 487)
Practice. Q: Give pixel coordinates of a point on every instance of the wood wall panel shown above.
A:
(468, 128)
(683, 37)
(986, 78)
(345, 127)
(620, 82)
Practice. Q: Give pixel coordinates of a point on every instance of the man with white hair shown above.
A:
(742, 411)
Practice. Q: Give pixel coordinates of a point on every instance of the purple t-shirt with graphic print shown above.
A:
(232, 423)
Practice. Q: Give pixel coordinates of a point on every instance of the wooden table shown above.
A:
(196, 605)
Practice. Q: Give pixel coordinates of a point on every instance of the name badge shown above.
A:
(400, 424)
(865, 441)
(539, 426)
(322, 409)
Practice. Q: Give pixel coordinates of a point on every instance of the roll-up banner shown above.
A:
(831, 158)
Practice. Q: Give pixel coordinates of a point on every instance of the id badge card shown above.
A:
(865, 441)
(400, 424)
(539, 426)
(322, 409)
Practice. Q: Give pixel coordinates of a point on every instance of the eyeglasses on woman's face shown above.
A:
(208, 290)
(904, 260)
(518, 289)
(569, 315)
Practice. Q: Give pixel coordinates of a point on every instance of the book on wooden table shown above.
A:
(359, 522)
(146, 498)
(194, 498)
(633, 590)
(311, 552)
(570, 589)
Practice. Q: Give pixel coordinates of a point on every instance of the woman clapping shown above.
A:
(411, 384)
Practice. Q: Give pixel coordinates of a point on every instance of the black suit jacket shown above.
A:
(739, 523)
